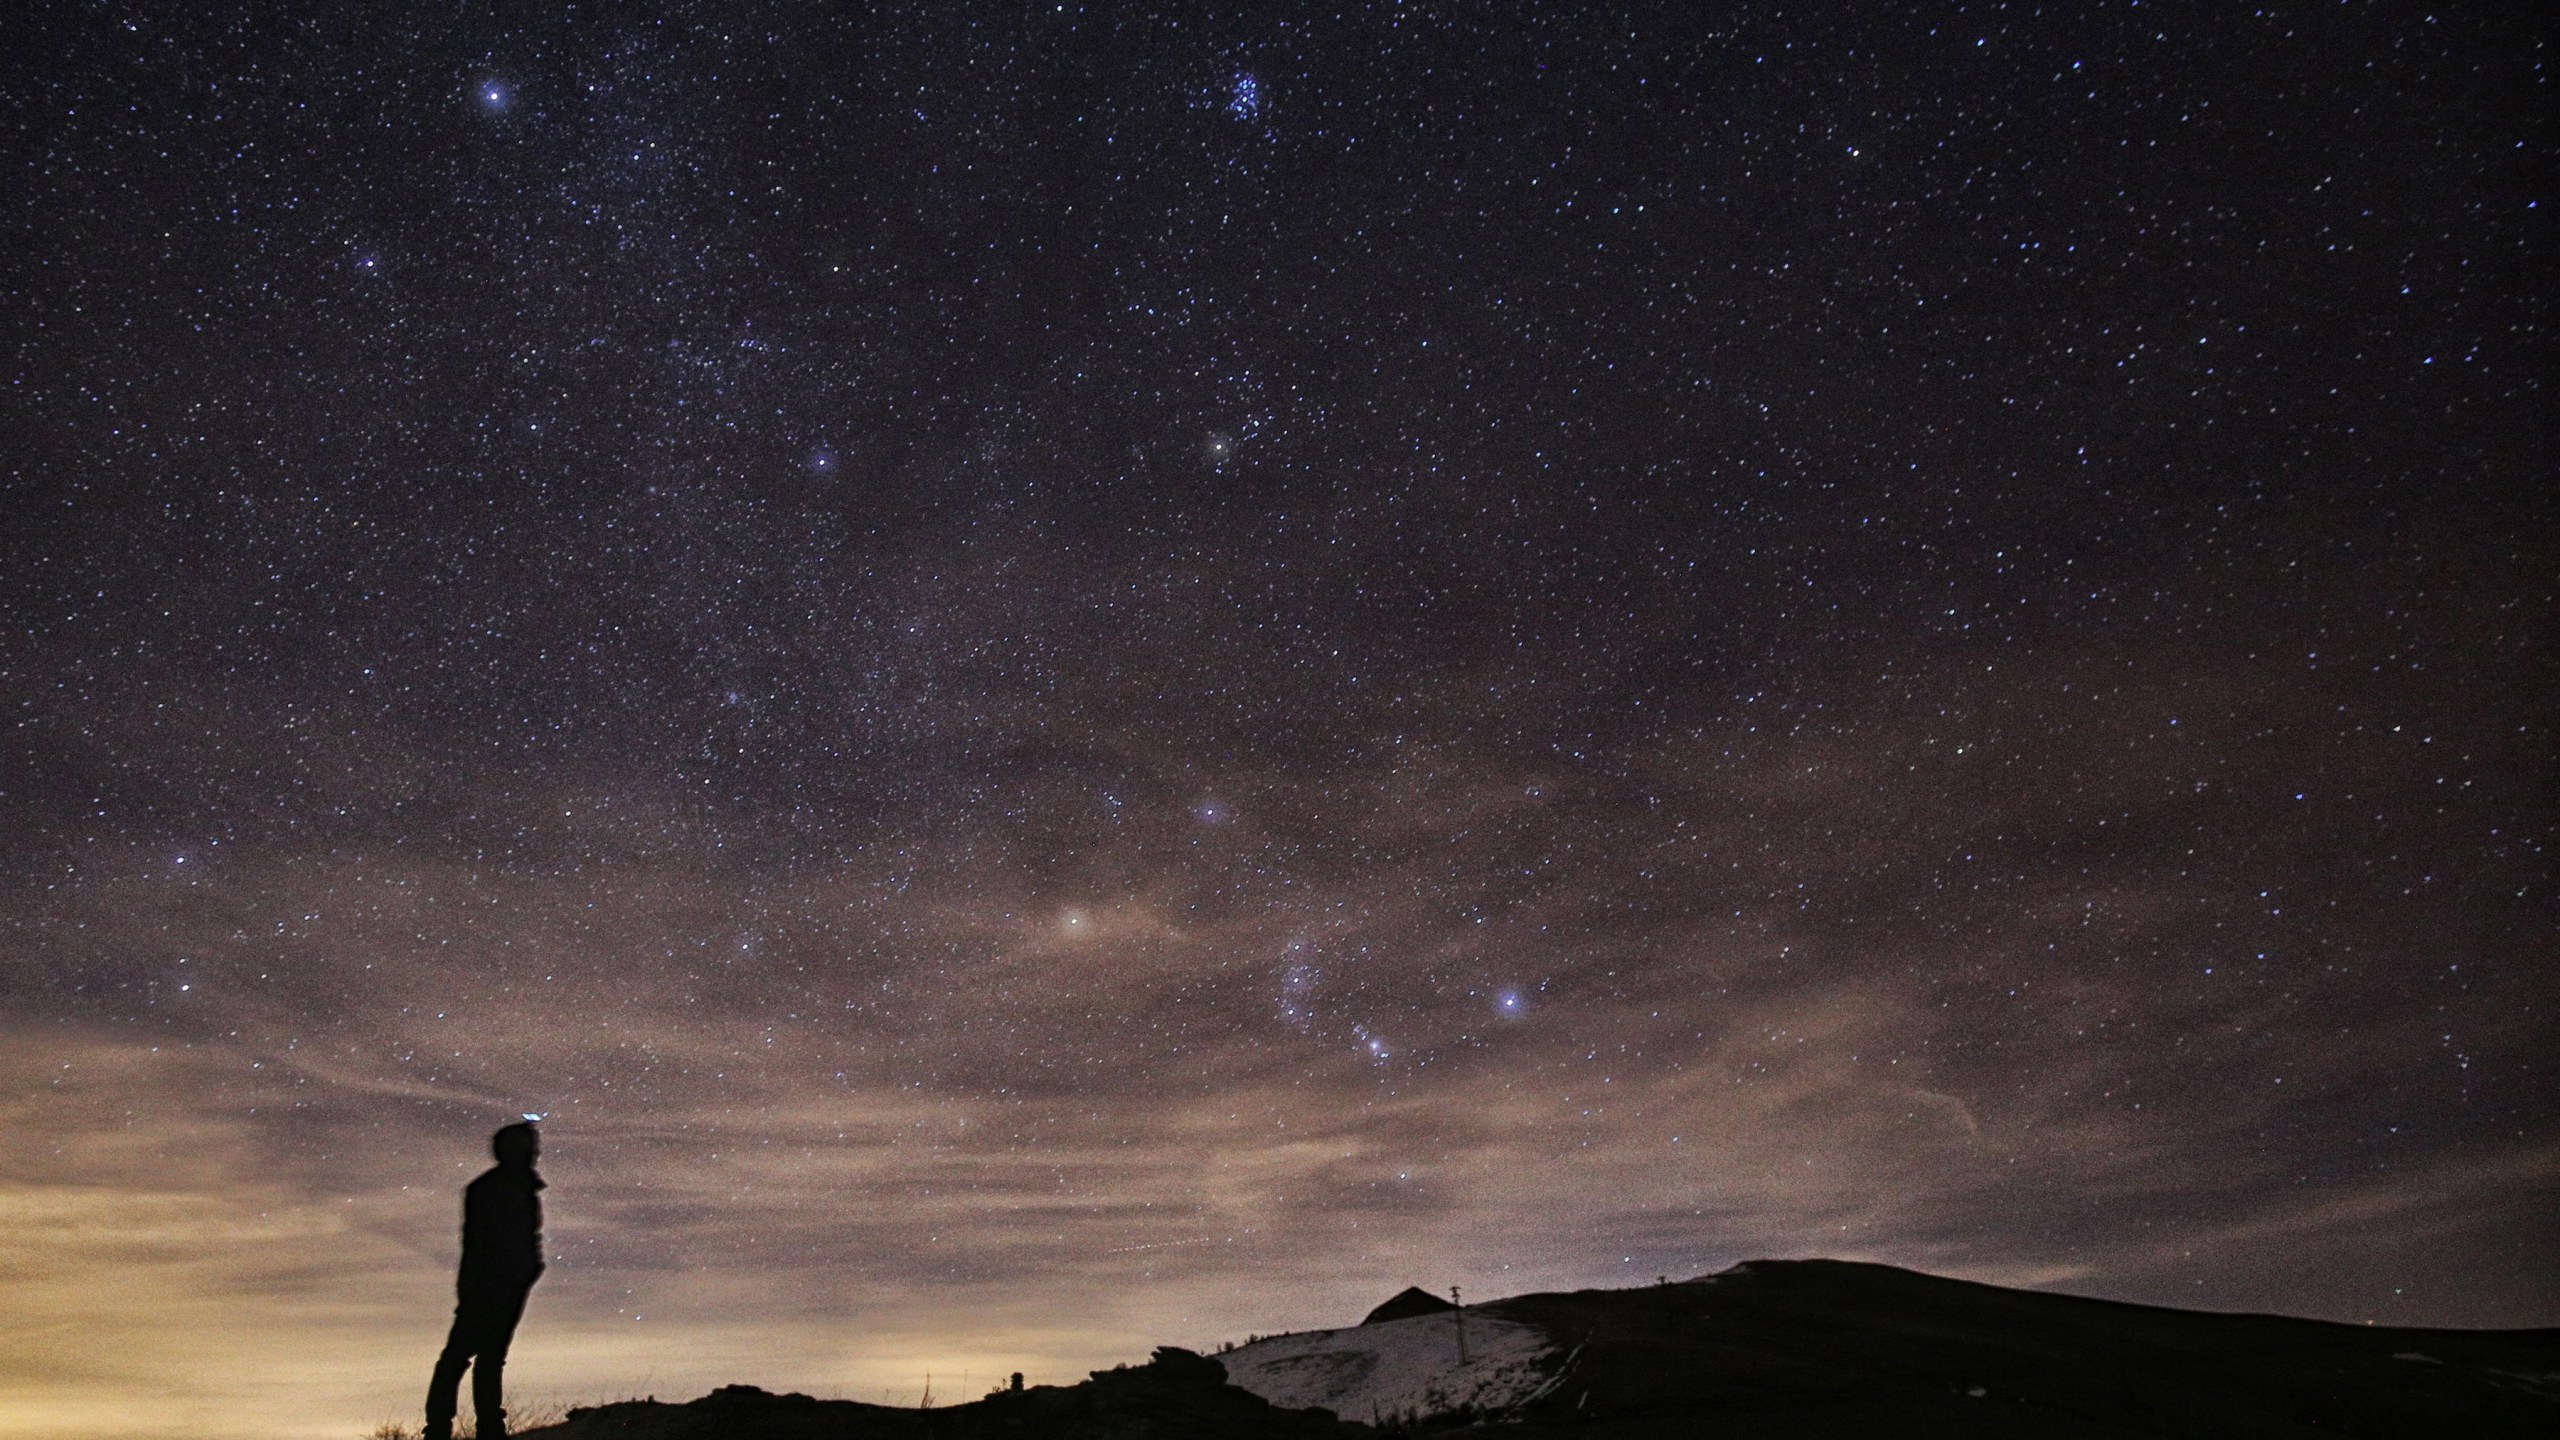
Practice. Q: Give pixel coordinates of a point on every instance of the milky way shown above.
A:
(1060, 681)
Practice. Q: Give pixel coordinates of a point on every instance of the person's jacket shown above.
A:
(502, 1229)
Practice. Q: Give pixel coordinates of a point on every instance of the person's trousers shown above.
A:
(484, 1324)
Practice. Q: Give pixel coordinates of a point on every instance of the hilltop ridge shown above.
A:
(1793, 1348)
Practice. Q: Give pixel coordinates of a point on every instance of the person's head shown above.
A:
(516, 1144)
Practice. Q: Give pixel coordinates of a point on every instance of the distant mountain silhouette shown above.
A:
(1798, 1348)
(1410, 1301)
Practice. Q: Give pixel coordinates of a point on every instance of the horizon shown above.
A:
(1057, 681)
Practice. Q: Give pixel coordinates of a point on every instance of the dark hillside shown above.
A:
(1802, 1348)
(1825, 1347)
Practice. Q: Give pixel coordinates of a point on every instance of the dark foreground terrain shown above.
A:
(1795, 1349)
(1178, 1394)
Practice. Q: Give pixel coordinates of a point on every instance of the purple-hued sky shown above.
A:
(1060, 680)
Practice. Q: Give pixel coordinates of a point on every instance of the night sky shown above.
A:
(1061, 679)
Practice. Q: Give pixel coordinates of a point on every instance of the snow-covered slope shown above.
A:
(1399, 1368)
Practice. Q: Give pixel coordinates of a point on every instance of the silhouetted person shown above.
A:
(501, 1258)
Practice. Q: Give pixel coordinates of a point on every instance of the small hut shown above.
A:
(1412, 1300)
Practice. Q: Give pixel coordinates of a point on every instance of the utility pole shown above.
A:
(1460, 1314)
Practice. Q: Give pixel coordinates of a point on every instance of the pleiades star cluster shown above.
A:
(1063, 677)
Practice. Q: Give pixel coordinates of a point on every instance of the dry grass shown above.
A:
(519, 1417)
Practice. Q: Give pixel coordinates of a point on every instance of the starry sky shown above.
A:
(1061, 678)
